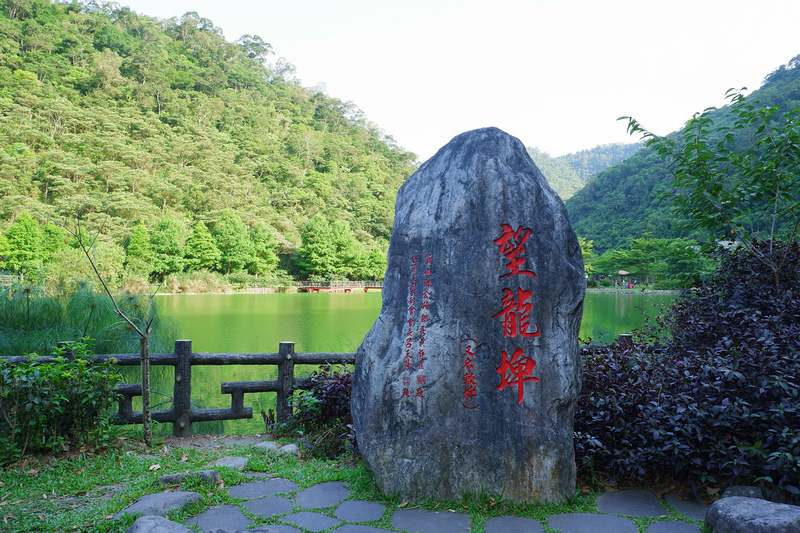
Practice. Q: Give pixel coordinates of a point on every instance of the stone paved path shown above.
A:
(327, 505)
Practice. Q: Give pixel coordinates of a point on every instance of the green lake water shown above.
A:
(318, 322)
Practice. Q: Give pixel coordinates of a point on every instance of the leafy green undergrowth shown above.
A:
(83, 490)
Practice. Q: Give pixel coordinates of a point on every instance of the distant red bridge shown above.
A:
(338, 286)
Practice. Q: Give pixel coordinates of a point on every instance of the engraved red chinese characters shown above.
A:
(516, 314)
(511, 245)
(516, 371)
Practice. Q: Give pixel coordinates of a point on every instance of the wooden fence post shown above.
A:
(182, 392)
(286, 381)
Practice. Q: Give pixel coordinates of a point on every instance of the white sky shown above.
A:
(556, 74)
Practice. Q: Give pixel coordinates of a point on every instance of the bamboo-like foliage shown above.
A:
(34, 321)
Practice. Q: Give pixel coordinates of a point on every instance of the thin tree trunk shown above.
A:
(144, 343)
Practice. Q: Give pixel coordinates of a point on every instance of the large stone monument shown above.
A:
(469, 377)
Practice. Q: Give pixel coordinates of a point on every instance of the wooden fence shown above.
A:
(181, 415)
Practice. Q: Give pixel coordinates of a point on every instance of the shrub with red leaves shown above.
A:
(721, 403)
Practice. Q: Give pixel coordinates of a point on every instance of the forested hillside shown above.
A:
(567, 174)
(133, 122)
(622, 203)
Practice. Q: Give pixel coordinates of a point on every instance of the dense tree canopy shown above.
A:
(128, 120)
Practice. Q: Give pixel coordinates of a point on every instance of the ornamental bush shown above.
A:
(323, 411)
(719, 404)
(47, 405)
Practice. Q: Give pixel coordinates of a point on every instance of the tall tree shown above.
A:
(236, 248)
(202, 252)
(745, 185)
(139, 254)
(647, 258)
(348, 255)
(264, 244)
(318, 250)
(24, 239)
(167, 242)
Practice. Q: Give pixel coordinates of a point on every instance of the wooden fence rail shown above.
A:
(182, 415)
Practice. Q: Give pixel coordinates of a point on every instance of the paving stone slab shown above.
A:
(673, 527)
(420, 521)
(156, 524)
(590, 523)
(160, 503)
(274, 529)
(688, 508)
(322, 495)
(513, 524)
(639, 503)
(359, 511)
(221, 517)
(237, 463)
(259, 489)
(358, 528)
(311, 521)
(269, 506)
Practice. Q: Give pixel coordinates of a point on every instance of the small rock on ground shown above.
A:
(267, 446)
(231, 462)
(737, 514)
(204, 476)
(289, 449)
